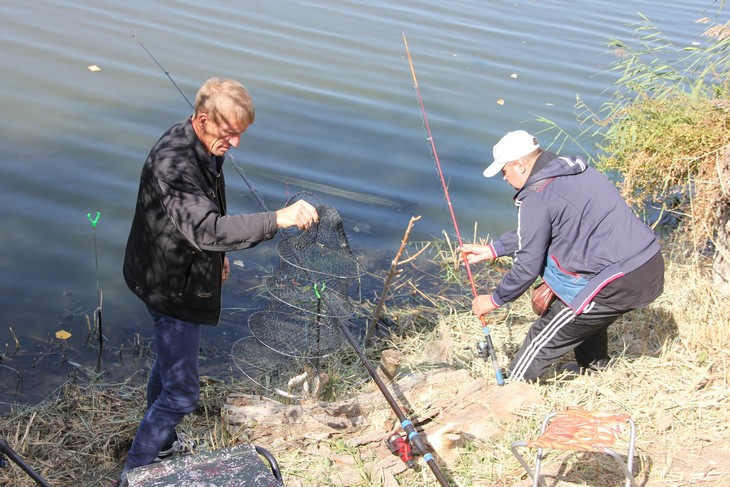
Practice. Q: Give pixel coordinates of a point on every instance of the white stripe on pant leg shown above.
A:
(542, 338)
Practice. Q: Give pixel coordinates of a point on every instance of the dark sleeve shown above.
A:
(533, 233)
(506, 244)
(199, 219)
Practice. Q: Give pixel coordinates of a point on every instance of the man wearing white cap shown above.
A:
(575, 230)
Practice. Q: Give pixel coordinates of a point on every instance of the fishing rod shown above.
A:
(487, 347)
(99, 293)
(406, 424)
(238, 168)
(413, 437)
(134, 36)
(5, 450)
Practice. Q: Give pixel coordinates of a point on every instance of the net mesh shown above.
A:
(309, 300)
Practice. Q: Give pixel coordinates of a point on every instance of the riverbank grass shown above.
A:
(670, 373)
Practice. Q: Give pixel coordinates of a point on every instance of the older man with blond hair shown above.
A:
(175, 257)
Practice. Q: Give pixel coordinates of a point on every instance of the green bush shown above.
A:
(664, 130)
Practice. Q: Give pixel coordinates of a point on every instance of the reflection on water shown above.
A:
(336, 115)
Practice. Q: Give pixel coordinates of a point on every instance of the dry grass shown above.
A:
(671, 374)
(80, 437)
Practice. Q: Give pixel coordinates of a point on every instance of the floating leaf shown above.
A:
(513, 75)
(500, 102)
(94, 68)
(63, 335)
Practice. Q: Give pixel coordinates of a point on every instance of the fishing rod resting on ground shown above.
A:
(487, 346)
(405, 423)
(6, 451)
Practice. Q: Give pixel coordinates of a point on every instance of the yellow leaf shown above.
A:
(500, 102)
(63, 335)
(94, 68)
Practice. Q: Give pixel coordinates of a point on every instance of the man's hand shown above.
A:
(226, 269)
(301, 214)
(482, 305)
(476, 252)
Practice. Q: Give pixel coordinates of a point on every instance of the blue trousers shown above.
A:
(173, 388)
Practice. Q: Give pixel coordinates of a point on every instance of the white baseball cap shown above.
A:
(510, 148)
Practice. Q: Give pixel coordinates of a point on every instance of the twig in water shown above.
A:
(391, 273)
(17, 342)
(88, 330)
(424, 296)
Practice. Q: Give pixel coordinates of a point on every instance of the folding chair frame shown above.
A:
(625, 466)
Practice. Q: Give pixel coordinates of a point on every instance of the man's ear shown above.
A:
(521, 167)
(200, 119)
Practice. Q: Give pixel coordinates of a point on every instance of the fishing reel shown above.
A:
(485, 351)
(478, 350)
(481, 350)
(399, 446)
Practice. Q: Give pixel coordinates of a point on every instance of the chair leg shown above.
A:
(627, 467)
(538, 464)
(538, 457)
(630, 481)
(519, 457)
(534, 475)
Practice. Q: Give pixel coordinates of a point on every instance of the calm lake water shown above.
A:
(337, 115)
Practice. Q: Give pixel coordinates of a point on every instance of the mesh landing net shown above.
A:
(310, 301)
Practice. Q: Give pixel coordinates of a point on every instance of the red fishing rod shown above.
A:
(488, 346)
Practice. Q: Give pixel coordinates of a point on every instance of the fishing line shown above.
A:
(160, 65)
(238, 168)
(406, 424)
(489, 346)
